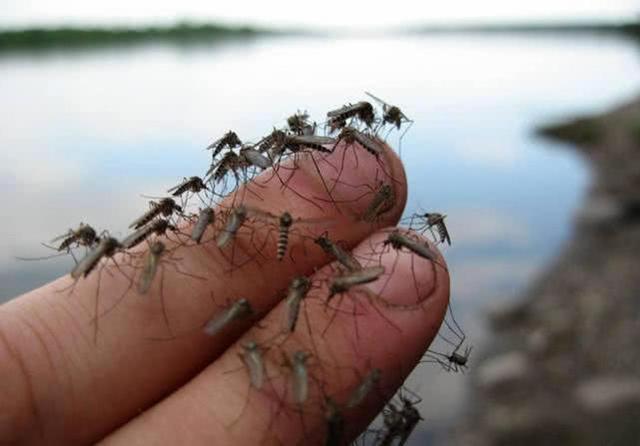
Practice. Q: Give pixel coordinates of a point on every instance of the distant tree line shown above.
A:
(35, 38)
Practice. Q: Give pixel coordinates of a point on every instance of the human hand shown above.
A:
(60, 385)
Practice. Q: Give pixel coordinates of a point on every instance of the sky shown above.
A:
(323, 14)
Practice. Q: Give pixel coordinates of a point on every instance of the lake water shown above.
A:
(84, 133)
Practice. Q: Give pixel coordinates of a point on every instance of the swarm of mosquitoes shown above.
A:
(234, 165)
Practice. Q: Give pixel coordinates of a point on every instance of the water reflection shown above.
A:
(84, 134)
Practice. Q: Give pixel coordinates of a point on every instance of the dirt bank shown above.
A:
(564, 366)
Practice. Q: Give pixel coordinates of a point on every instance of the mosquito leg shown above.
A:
(165, 315)
(324, 184)
(96, 308)
(337, 178)
(285, 185)
(372, 300)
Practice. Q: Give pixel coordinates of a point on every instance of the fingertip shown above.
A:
(405, 307)
(347, 180)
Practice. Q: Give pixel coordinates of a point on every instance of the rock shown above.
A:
(503, 371)
(608, 394)
(507, 314)
(600, 209)
(538, 342)
(527, 426)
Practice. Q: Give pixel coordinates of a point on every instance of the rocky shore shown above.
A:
(564, 364)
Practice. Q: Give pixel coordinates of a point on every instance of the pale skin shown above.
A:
(64, 383)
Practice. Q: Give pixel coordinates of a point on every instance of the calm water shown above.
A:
(84, 133)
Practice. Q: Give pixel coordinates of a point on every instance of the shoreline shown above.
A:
(564, 367)
(69, 37)
(72, 37)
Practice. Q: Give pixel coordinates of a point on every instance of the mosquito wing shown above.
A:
(347, 109)
(253, 360)
(181, 185)
(256, 158)
(261, 214)
(205, 218)
(148, 272)
(369, 143)
(137, 236)
(67, 234)
(377, 99)
(313, 139)
(89, 261)
(147, 216)
(445, 234)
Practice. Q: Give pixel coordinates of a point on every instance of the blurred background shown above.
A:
(104, 102)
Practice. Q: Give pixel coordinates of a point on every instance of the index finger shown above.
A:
(65, 388)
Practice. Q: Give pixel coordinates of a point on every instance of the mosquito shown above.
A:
(229, 139)
(298, 290)
(249, 156)
(382, 201)
(397, 240)
(400, 422)
(351, 135)
(274, 139)
(237, 217)
(297, 143)
(230, 162)
(191, 184)
(364, 388)
(362, 110)
(152, 259)
(206, 218)
(165, 207)
(252, 360)
(411, 417)
(345, 282)
(157, 227)
(284, 222)
(434, 219)
(84, 235)
(296, 294)
(235, 220)
(107, 247)
(240, 309)
(298, 124)
(453, 362)
(393, 426)
(238, 165)
(300, 375)
(153, 264)
(342, 256)
(278, 143)
(335, 423)
(391, 114)
(371, 144)
(297, 364)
